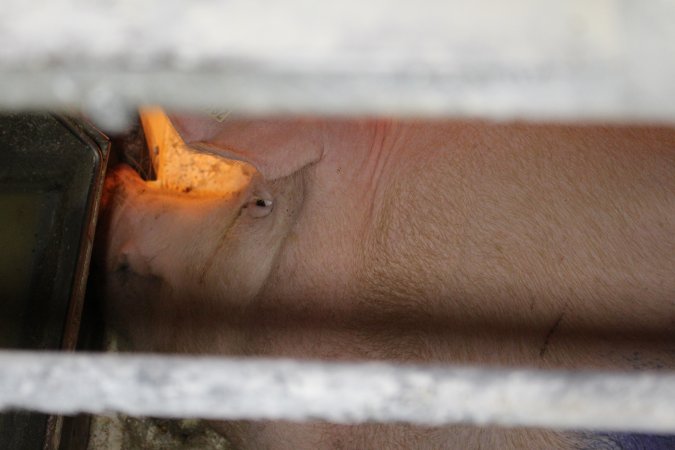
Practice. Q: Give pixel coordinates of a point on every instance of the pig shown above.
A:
(448, 241)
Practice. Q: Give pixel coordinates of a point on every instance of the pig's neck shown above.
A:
(548, 239)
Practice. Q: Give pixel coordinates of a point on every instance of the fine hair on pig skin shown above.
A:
(458, 242)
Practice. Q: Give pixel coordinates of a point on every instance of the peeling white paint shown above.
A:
(533, 59)
(216, 388)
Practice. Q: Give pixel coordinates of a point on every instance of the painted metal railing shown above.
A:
(219, 388)
(607, 60)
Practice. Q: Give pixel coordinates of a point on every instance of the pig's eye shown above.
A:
(259, 207)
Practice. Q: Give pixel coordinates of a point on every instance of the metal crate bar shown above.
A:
(532, 59)
(216, 388)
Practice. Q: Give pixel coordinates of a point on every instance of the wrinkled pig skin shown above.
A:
(546, 246)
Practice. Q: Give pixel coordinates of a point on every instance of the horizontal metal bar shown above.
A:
(161, 386)
(534, 59)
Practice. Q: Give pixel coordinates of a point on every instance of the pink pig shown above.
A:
(441, 241)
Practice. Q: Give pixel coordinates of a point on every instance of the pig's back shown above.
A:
(475, 243)
(542, 246)
(536, 245)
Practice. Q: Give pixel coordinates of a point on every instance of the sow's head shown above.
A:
(177, 257)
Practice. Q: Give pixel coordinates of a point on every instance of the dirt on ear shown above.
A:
(182, 169)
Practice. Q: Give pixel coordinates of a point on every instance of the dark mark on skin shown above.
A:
(553, 329)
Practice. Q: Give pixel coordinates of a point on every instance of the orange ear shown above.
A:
(276, 147)
(180, 168)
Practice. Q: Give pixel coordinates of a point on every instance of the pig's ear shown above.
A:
(277, 148)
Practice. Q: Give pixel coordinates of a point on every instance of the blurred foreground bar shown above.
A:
(606, 60)
(147, 385)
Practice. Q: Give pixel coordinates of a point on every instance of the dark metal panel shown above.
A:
(51, 172)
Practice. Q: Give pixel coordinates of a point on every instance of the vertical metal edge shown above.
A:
(100, 143)
(96, 140)
(53, 433)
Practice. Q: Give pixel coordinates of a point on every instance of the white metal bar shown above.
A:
(537, 59)
(147, 385)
